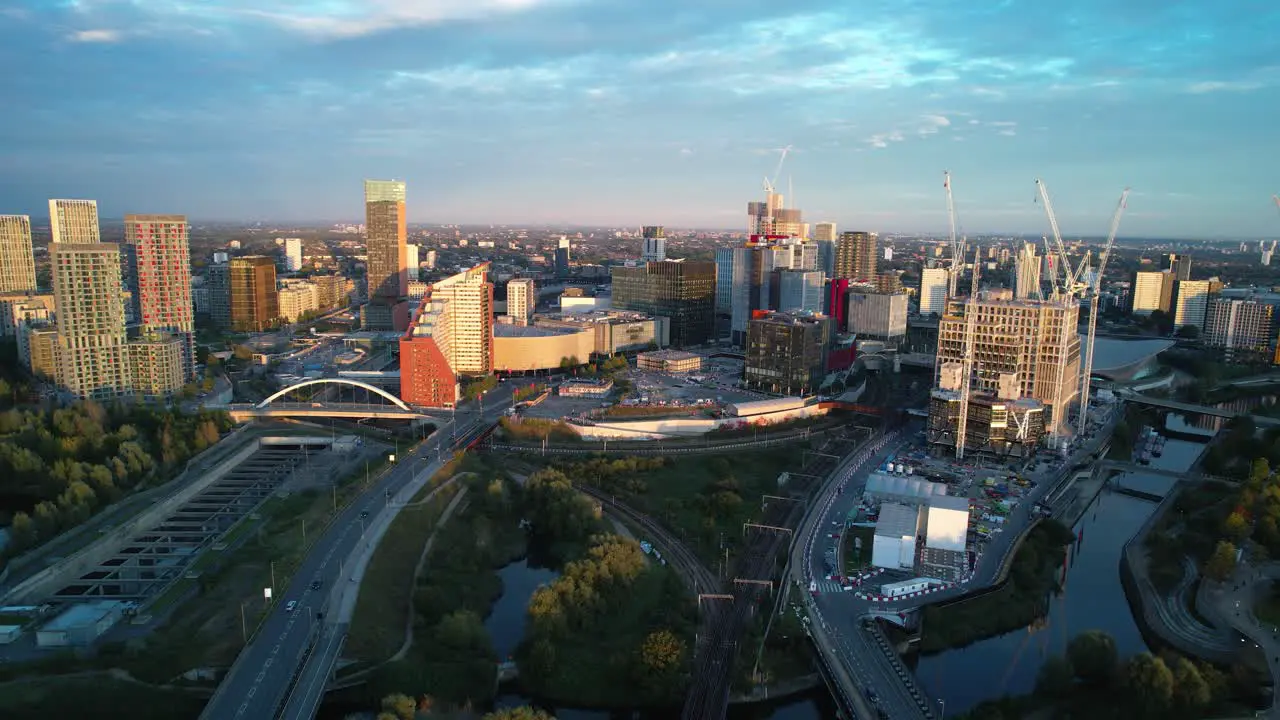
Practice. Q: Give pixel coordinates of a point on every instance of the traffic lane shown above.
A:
(872, 666)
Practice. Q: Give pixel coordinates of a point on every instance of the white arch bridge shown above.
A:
(331, 398)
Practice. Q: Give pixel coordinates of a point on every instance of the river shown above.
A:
(1092, 599)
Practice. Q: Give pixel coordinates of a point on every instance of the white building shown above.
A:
(947, 525)
(894, 544)
(411, 261)
(1192, 302)
(522, 298)
(933, 291)
(431, 260)
(297, 297)
(293, 254)
(1149, 288)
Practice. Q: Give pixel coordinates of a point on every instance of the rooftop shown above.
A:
(528, 331)
(905, 486)
(949, 502)
(81, 614)
(670, 355)
(897, 521)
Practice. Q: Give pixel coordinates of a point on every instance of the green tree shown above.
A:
(1259, 471)
(401, 707)
(524, 712)
(1236, 526)
(1056, 677)
(1150, 682)
(22, 530)
(1191, 691)
(1222, 564)
(1093, 656)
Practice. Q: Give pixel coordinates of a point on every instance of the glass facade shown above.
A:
(682, 291)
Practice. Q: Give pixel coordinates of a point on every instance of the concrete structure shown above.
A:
(91, 356)
(998, 426)
(1192, 302)
(773, 217)
(386, 238)
(824, 232)
(901, 489)
(80, 625)
(682, 291)
(217, 282)
(947, 523)
(522, 348)
(412, 265)
(894, 543)
(17, 263)
(933, 291)
(787, 353)
(799, 290)
(1034, 341)
(255, 306)
(876, 316)
(158, 255)
(669, 361)
(157, 366)
(615, 331)
(522, 298)
(1244, 328)
(451, 335)
(19, 311)
(1151, 291)
(586, 388)
(754, 408)
(293, 254)
(74, 221)
(655, 244)
(1027, 273)
(856, 256)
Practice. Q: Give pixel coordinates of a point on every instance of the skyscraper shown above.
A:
(562, 257)
(293, 254)
(17, 264)
(933, 291)
(255, 307)
(451, 335)
(799, 291)
(74, 221)
(92, 357)
(655, 244)
(1151, 291)
(683, 291)
(857, 256)
(1026, 278)
(159, 260)
(387, 235)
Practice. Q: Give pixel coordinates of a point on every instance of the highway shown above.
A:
(263, 676)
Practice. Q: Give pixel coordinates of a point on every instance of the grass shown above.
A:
(787, 654)
(94, 698)
(856, 560)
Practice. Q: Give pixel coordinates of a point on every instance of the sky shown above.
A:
(670, 112)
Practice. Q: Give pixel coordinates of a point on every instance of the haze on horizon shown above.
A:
(587, 112)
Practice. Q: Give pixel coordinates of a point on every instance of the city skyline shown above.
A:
(554, 112)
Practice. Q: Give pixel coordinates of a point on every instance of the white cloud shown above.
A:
(95, 36)
(1008, 132)
(1003, 123)
(1223, 86)
(686, 151)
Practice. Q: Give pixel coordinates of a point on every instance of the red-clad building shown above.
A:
(451, 334)
(838, 303)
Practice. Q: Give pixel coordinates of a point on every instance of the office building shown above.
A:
(158, 255)
(683, 291)
(655, 244)
(522, 298)
(878, 316)
(450, 335)
(856, 256)
(217, 284)
(92, 357)
(255, 306)
(1152, 291)
(74, 221)
(413, 270)
(786, 353)
(386, 238)
(798, 291)
(1245, 329)
(933, 291)
(724, 280)
(1035, 343)
(751, 283)
(562, 257)
(1026, 278)
(293, 254)
(1192, 302)
(17, 264)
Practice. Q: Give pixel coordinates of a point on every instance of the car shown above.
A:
(290, 606)
(364, 514)
(315, 584)
(871, 696)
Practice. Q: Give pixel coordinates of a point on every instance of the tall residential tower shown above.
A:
(159, 260)
(17, 265)
(74, 221)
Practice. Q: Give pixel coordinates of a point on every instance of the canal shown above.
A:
(1092, 599)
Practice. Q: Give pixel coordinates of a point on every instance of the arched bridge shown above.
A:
(331, 398)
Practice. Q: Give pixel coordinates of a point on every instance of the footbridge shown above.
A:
(331, 397)
(1137, 397)
(1176, 474)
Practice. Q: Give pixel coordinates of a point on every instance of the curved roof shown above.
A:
(903, 486)
(1118, 359)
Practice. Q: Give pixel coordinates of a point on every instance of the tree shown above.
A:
(524, 712)
(1092, 655)
(1151, 683)
(1236, 526)
(1222, 564)
(1056, 677)
(1259, 471)
(1190, 690)
(1188, 332)
(22, 530)
(401, 707)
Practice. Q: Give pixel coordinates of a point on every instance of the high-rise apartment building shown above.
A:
(1151, 291)
(412, 269)
(824, 231)
(255, 306)
(878, 316)
(787, 353)
(431, 260)
(683, 291)
(889, 282)
(386, 238)
(562, 257)
(1031, 346)
(17, 264)
(158, 255)
(157, 366)
(293, 254)
(451, 335)
(856, 256)
(522, 298)
(655, 244)
(332, 291)
(74, 221)
(1245, 329)
(1192, 302)
(92, 356)
(933, 291)
(1026, 278)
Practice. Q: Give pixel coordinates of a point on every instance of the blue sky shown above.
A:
(650, 111)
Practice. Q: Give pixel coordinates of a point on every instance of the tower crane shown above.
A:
(1094, 291)
(966, 362)
(1072, 284)
(957, 245)
(1277, 199)
(768, 183)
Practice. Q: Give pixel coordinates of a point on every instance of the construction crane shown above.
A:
(966, 362)
(769, 184)
(1072, 277)
(1094, 291)
(957, 244)
(1277, 199)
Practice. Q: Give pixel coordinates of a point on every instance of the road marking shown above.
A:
(253, 690)
(261, 673)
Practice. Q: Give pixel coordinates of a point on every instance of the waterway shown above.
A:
(1092, 599)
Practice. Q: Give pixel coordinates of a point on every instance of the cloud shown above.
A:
(96, 36)
(923, 126)
(1210, 86)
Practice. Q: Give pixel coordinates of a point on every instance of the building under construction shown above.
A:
(1025, 370)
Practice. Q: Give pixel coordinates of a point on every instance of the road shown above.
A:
(261, 678)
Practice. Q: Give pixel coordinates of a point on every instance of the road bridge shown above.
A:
(1136, 397)
(364, 401)
(1148, 470)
